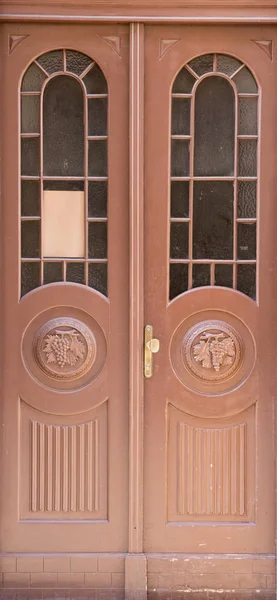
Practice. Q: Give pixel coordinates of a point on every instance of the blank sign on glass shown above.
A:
(63, 224)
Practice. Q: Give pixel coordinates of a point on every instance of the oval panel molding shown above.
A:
(65, 348)
(212, 350)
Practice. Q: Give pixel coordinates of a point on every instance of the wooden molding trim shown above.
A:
(136, 272)
(91, 5)
(158, 16)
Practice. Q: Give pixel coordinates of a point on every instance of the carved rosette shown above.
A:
(212, 350)
(65, 348)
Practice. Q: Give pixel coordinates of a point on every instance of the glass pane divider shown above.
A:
(212, 274)
(30, 218)
(97, 219)
(60, 178)
(180, 137)
(97, 137)
(41, 68)
(237, 71)
(247, 95)
(30, 93)
(86, 192)
(87, 69)
(64, 59)
(246, 220)
(213, 178)
(61, 259)
(247, 137)
(180, 95)
(30, 135)
(253, 178)
(208, 261)
(89, 96)
(192, 72)
(27, 260)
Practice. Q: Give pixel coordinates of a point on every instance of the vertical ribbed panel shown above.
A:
(211, 470)
(64, 467)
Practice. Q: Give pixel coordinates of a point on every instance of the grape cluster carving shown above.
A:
(64, 348)
(214, 350)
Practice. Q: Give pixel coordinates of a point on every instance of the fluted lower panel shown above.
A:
(211, 470)
(64, 467)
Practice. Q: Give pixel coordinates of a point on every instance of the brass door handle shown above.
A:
(151, 346)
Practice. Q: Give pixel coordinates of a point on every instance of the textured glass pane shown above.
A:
(246, 280)
(184, 82)
(30, 114)
(95, 81)
(179, 199)
(97, 116)
(97, 158)
(63, 127)
(30, 239)
(33, 79)
(52, 272)
(179, 233)
(30, 198)
(180, 117)
(224, 275)
(200, 275)
(213, 219)
(30, 156)
(178, 279)
(246, 241)
(247, 158)
(60, 186)
(77, 62)
(245, 82)
(97, 277)
(30, 277)
(247, 199)
(214, 128)
(75, 272)
(97, 240)
(248, 122)
(180, 158)
(202, 64)
(97, 198)
(52, 61)
(227, 64)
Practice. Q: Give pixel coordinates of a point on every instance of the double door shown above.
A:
(138, 189)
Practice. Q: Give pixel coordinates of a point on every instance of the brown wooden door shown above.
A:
(64, 388)
(210, 194)
(209, 257)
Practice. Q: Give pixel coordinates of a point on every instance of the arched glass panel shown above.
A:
(63, 127)
(214, 137)
(214, 131)
(64, 172)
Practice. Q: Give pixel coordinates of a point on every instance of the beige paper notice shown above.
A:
(63, 224)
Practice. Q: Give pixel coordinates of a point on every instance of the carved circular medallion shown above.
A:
(64, 348)
(212, 350)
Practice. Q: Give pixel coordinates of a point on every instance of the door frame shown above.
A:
(136, 15)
